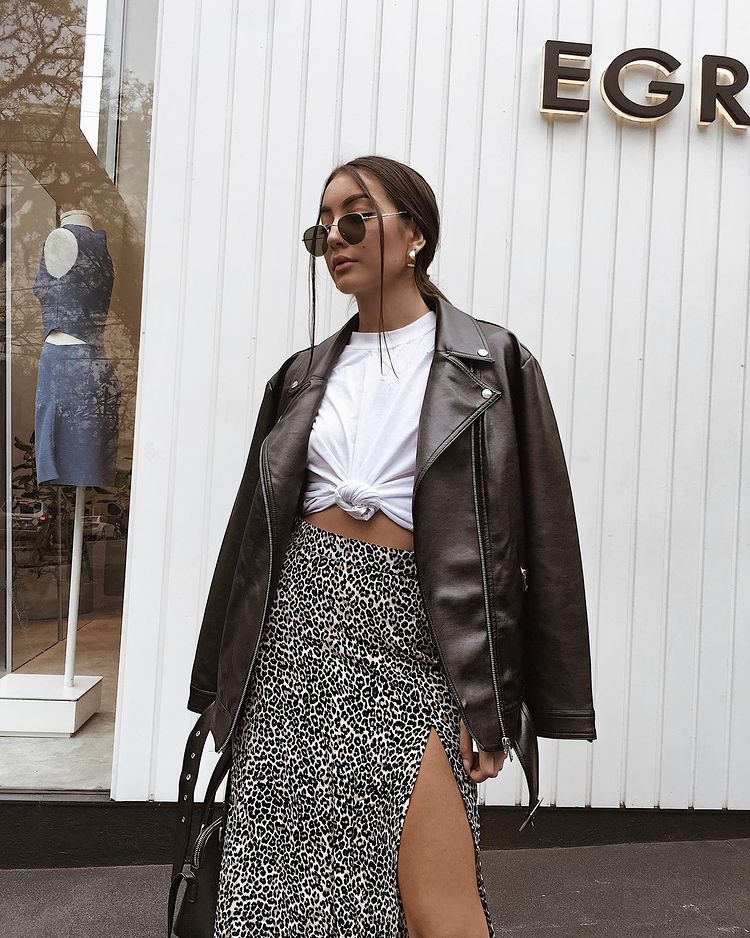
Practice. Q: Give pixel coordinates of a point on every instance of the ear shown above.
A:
(419, 239)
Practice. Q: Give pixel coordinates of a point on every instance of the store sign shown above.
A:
(720, 81)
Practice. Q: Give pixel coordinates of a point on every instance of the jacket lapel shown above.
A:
(453, 399)
(454, 395)
(284, 451)
(286, 444)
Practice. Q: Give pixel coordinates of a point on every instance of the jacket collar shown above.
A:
(457, 391)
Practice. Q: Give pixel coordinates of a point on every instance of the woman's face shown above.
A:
(362, 274)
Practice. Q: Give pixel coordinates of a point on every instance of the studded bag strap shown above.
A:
(188, 776)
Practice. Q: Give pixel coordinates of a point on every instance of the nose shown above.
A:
(334, 240)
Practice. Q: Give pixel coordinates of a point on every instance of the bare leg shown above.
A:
(436, 862)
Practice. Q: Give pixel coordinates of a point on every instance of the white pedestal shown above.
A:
(41, 704)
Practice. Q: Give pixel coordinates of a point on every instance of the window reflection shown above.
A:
(75, 117)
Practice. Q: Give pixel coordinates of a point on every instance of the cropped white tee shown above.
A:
(363, 444)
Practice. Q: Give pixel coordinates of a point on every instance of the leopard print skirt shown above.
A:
(346, 686)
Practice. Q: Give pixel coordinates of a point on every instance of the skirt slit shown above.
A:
(346, 687)
(467, 790)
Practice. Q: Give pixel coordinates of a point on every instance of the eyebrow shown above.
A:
(350, 198)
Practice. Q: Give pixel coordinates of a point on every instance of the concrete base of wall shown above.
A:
(65, 833)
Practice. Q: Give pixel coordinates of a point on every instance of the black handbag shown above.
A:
(197, 911)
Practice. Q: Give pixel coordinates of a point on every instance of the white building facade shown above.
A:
(612, 239)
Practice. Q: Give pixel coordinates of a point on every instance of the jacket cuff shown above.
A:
(199, 699)
(565, 724)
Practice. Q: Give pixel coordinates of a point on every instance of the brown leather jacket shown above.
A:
(495, 541)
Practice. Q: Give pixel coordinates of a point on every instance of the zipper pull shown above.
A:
(523, 574)
(507, 748)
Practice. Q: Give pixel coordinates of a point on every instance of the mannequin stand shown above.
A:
(75, 588)
(46, 704)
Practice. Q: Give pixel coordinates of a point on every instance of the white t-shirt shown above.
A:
(363, 444)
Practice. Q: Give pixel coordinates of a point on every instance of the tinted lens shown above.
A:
(352, 228)
(316, 240)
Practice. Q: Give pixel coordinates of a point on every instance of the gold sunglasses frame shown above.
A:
(365, 216)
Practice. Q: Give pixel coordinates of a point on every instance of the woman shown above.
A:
(350, 645)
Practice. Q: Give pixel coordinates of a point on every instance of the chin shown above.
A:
(348, 286)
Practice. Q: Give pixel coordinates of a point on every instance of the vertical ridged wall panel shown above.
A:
(618, 253)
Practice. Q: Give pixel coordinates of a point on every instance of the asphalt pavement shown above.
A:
(684, 889)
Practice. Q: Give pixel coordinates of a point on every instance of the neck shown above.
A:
(76, 217)
(401, 305)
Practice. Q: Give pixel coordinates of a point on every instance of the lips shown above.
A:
(339, 261)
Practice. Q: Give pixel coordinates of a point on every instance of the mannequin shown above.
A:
(75, 443)
(78, 391)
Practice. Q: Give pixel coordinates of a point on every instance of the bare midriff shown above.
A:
(380, 529)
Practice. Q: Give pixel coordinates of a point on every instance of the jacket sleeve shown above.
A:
(557, 657)
(203, 677)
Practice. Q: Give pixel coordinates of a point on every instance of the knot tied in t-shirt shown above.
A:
(357, 498)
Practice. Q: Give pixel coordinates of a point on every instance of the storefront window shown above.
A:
(76, 84)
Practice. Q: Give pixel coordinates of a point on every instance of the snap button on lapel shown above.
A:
(482, 351)
(294, 384)
(486, 392)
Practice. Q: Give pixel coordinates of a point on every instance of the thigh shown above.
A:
(436, 861)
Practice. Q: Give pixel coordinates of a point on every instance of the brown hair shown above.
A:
(410, 192)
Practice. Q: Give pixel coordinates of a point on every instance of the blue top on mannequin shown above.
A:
(78, 301)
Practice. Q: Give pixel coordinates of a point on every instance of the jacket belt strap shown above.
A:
(527, 750)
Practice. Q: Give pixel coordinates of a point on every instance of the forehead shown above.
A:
(342, 191)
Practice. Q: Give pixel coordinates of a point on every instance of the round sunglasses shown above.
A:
(351, 228)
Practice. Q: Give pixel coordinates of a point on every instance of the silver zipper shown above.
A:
(523, 575)
(444, 445)
(418, 479)
(201, 839)
(505, 741)
(263, 465)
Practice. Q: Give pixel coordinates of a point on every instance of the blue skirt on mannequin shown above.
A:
(76, 421)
